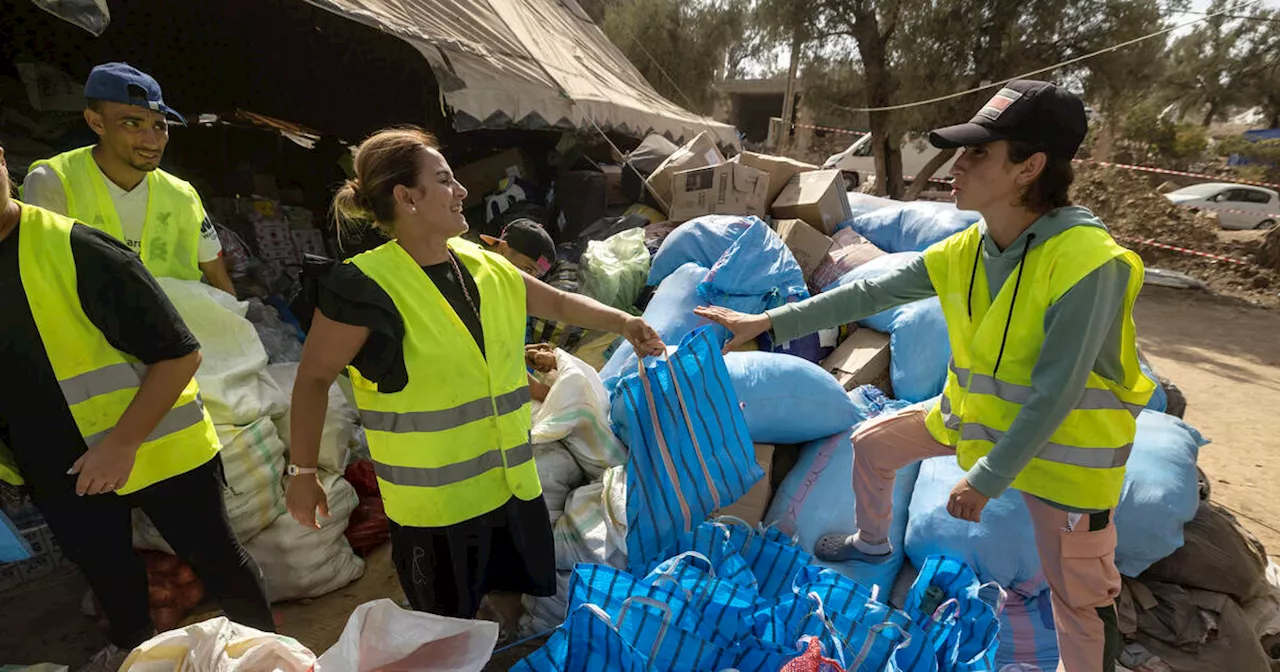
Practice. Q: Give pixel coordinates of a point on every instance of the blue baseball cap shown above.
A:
(123, 83)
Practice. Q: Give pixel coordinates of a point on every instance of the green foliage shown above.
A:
(680, 47)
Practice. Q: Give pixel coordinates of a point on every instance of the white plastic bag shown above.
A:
(380, 636)
(219, 645)
(340, 417)
(253, 462)
(233, 374)
(559, 473)
(576, 411)
(299, 561)
(593, 528)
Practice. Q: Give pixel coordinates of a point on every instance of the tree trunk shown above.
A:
(922, 180)
(1210, 114)
(789, 98)
(885, 141)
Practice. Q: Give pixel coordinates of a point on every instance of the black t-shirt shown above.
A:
(349, 296)
(121, 299)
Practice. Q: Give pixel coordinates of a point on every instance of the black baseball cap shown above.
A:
(1043, 114)
(530, 239)
(123, 83)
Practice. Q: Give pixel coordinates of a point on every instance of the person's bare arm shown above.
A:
(547, 302)
(106, 465)
(216, 273)
(329, 348)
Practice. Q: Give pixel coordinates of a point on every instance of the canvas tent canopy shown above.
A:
(533, 64)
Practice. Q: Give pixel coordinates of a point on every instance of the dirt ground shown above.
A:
(1225, 355)
(1222, 352)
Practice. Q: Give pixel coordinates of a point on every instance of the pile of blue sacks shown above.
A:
(739, 263)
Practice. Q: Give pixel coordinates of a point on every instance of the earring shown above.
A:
(413, 208)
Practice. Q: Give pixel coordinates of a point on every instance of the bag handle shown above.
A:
(663, 450)
(870, 642)
(692, 555)
(693, 436)
(1002, 596)
(836, 638)
(734, 520)
(667, 577)
(648, 602)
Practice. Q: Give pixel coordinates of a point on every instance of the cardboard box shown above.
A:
(817, 197)
(808, 245)
(752, 506)
(862, 359)
(700, 152)
(482, 177)
(613, 186)
(780, 169)
(724, 189)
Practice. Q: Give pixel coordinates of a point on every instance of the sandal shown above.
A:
(839, 547)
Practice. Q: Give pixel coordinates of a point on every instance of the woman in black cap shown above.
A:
(1044, 387)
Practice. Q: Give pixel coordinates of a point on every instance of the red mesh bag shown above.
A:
(368, 528)
(362, 477)
(812, 660)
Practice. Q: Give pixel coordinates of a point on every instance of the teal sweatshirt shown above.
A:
(1083, 332)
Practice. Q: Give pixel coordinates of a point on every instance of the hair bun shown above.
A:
(358, 197)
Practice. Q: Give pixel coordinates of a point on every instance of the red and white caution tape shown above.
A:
(1174, 248)
(1166, 171)
(1126, 166)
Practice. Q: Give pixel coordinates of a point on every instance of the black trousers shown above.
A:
(95, 532)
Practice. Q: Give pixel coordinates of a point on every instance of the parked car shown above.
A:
(858, 161)
(1238, 206)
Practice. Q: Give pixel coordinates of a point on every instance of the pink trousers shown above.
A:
(1077, 551)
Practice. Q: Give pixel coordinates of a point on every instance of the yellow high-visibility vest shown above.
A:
(98, 381)
(454, 443)
(1083, 463)
(171, 232)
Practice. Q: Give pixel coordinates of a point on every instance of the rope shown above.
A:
(1025, 75)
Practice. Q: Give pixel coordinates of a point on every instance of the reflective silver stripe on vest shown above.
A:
(1093, 399)
(1093, 458)
(435, 477)
(949, 420)
(173, 422)
(439, 421)
(113, 378)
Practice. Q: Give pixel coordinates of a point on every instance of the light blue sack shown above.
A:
(1159, 399)
(918, 341)
(1161, 491)
(1160, 495)
(690, 450)
(911, 226)
(787, 399)
(670, 313)
(1000, 548)
(817, 498)
(1027, 634)
(702, 241)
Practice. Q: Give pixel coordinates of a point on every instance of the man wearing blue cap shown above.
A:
(117, 185)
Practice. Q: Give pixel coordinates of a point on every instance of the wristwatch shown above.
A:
(295, 470)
